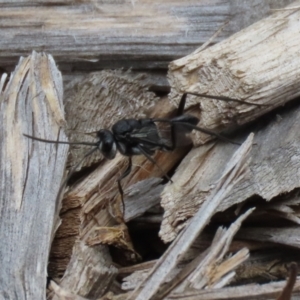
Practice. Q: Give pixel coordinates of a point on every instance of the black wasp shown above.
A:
(142, 137)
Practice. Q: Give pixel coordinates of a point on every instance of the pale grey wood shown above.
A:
(270, 78)
(90, 272)
(274, 171)
(88, 35)
(233, 172)
(267, 291)
(30, 175)
(141, 196)
(259, 64)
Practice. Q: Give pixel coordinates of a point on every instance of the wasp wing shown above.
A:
(162, 136)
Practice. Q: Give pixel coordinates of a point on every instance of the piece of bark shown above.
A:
(85, 35)
(234, 171)
(259, 64)
(31, 174)
(274, 171)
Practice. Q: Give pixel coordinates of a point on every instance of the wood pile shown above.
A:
(226, 227)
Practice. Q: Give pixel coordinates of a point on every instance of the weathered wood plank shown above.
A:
(141, 34)
(30, 174)
(259, 64)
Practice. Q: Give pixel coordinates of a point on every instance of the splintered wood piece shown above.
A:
(117, 236)
(284, 236)
(234, 171)
(30, 175)
(252, 291)
(266, 265)
(210, 268)
(62, 294)
(274, 171)
(142, 196)
(85, 35)
(96, 271)
(259, 64)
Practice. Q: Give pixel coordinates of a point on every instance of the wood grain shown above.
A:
(274, 167)
(92, 35)
(259, 64)
(30, 176)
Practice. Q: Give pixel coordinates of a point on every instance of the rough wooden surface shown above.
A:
(246, 66)
(30, 176)
(90, 35)
(96, 271)
(233, 172)
(267, 291)
(85, 36)
(274, 171)
(99, 101)
(103, 98)
(274, 168)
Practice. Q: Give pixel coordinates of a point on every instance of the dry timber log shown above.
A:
(91, 35)
(259, 64)
(30, 174)
(231, 66)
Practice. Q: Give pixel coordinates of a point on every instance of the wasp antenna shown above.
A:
(59, 142)
(223, 98)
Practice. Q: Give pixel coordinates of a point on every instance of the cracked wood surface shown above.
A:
(259, 64)
(30, 175)
(275, 163)
(91, 35)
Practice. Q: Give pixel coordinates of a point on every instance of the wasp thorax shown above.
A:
(107, 143)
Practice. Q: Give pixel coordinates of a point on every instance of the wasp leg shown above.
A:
(154, 162)
(125, 173)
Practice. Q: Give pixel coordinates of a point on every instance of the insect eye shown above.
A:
(108, 149)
